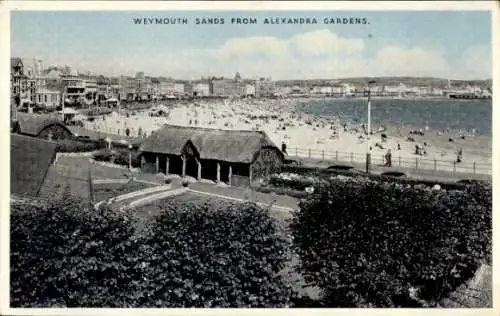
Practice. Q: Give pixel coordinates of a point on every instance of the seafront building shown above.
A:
(18, 81)
(90, 91)
(201, 89)
(265, 87)
(32, 86)
(228, 88)
(49, 98)
(330, 90)
(73, 89)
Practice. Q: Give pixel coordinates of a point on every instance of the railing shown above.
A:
(416, 163)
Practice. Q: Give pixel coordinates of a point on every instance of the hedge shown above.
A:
(71, 146)
(122, 157)
(390, 245)
(103, 155)
(281, 191)
(66, 254)
(119, 157)
(327, 173)
(482, 194)
(208, 256)
(294, 184)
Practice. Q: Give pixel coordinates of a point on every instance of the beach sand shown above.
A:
(301, 132)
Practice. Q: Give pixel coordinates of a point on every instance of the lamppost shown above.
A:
(130, 157)
(369, 128)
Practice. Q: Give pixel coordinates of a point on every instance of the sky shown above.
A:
(446, 44)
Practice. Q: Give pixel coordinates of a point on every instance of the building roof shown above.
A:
(15, 61)
(30, 159)
(33, 124)
(216, 144)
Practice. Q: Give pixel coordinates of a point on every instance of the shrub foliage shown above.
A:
(69, 255)
(119, 157)
(281, 191)
(66, 254)
(206, 256)
(363, 243)
(389, 245)
(294, 184)
(71, 145)
(323, 173)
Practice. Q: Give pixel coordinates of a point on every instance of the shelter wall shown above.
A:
(240, 181)
(148, 162)
(267, 162)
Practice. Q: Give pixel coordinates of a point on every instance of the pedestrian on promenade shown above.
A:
(459, 155)
(388, 158)
(283, 148)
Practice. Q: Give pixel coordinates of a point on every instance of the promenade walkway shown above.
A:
(377, 168)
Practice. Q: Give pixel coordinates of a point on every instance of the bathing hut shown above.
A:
(233, 157)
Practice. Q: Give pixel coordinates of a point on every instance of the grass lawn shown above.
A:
(79, 167)
(242, 193)
(58, 181)
(73, 172)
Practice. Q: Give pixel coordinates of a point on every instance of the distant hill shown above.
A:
(389, 81)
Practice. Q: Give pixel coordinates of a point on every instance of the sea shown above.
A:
(438, 114)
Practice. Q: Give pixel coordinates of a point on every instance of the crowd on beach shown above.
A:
(293, 129)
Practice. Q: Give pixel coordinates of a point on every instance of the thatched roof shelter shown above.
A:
(30, 159)
(223, 145)
(33, 124)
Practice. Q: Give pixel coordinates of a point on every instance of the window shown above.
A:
(45, 98)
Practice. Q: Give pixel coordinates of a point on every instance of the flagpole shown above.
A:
(369, 120)
(369, 128)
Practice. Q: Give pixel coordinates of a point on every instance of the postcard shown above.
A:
(249, 155)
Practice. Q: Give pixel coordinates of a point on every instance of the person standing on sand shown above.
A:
(459, 155)
(388, 158)
(283, 148)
